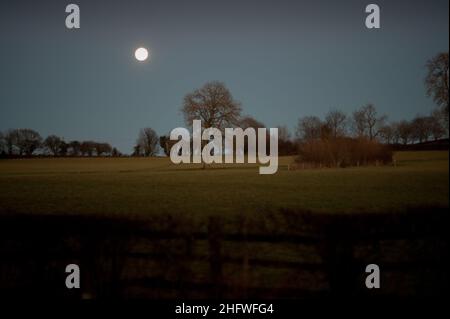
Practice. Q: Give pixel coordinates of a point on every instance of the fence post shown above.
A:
(115, 251)
(245, 258)
(186, 265)
(338, 257)
(215, 255)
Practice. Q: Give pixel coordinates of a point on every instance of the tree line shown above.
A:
(214, 105)
(28, 142)
(366, 122)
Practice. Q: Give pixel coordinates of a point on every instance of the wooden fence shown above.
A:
(131, 259)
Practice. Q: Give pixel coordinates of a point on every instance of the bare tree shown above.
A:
(395, 132)
(283, 133)
(405, 131)
(75, 148)
(137, 150)
(336, 122)
(63, 148)
(148, 142)
(440, 123)
(11, 138)
(308, 128)
(387, 133)
(248, 121)
(115, 152)
(439, 126)
(102, 149)
(53, 144)
(213, 104)
(421, 128)
(2, 144)
(87, 148)
(367, 123)
(164, 143)
(285, 144)
(436, 81)
(359, 123)
(28, 141)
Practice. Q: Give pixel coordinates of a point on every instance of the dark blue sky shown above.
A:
(281, 59)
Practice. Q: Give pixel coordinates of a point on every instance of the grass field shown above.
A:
(247, 203)
(140, 187)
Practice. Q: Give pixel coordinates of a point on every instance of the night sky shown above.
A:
(281, 59)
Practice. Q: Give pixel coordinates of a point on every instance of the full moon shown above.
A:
(141, 54)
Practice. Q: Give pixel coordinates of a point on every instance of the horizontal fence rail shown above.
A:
(173, 258)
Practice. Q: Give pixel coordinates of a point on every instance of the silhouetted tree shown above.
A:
(63, 148)
(404, 131)
(283, 133)
(102, 149)
(439, 126)
(2, 144)
(115, 152)
(309, 127)
(11, 138)
(53, 144)
(28, 141)
(436, 81)
(285, 145)
(213, 104)
(87, 148)
(421, 128)
(137, 150)
(75, 148)
(148, 142)
(336, 122)
(395, 135)
(250, 122)
(165, 144)
(387, 134)
(367, 123)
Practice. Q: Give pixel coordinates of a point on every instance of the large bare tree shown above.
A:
(213, 104)
(436, 81)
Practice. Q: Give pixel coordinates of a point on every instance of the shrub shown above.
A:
(343, 152)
